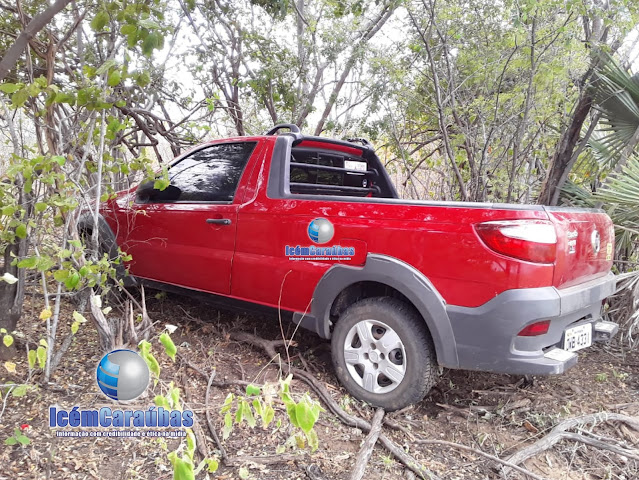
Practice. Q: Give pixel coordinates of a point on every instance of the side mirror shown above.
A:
(147, 193)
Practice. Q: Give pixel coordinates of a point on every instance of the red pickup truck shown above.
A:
(314, 226)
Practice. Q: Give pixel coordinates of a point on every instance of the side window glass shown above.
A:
(212, 173)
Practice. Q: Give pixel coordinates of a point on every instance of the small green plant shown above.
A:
(387, 461)
(18, 437)
(183, 466)
(182, 458)
(258, 405)
(619, 375)
(601, 377)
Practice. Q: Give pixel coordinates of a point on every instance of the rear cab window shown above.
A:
(322, 169)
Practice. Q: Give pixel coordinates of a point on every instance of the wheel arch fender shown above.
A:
(400, 276)
(108, 241)
(107, 237)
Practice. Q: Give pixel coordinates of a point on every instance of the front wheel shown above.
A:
(383, 353)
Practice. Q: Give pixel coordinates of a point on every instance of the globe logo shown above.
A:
(122, 375)
(320, 230)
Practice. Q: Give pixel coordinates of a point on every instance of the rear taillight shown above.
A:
(530, 240)
(534, 329)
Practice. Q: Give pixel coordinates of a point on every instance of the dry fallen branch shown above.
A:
(560, 432)
(209, 421)
(268, 346)
(197, 428)
(465, 448)
(366, 451)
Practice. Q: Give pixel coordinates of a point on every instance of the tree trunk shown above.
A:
(11, 295)
(34, 26)
(563, 159)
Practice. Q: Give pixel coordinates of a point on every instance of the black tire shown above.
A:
(363, 376)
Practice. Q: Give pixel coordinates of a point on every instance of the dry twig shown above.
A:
(560, 432)
(466, 448)
(366, 450)
(209, 421)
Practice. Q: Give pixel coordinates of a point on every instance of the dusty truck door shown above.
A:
(185, 235)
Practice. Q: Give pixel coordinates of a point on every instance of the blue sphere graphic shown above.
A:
(321, 230)
(122, 375)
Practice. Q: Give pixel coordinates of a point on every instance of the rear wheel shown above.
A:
(383, 353)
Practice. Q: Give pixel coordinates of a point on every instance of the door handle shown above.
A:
(219, 221)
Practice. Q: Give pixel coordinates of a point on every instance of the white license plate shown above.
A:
(578, 337)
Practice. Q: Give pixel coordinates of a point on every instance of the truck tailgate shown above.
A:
(585, 245)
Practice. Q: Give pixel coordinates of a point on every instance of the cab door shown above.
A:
(186, 237)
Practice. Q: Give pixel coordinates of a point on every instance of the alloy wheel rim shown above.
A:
(375, 356)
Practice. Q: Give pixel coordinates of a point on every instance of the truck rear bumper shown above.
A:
(487, 336)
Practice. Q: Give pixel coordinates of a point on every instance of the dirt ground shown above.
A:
(496, 414)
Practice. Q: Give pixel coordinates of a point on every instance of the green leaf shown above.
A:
(183, 469)
(32, 358)
(228, 402)
(175, 398)
(40, 207)
(45, 264)
(7, 340)
(243, 473)
(41, 353)
(72, 281)
(252, 390)
(269, 414)
(78, 317)
(143, 79)
(30, 262)
(11, 441)
(106, 66)
(20, 97)
(148, 24)
(145, 347)
(21, 231)
(313, 441)
(60, 275)
(169, 346)
(114, 78)
(239, 415)
(19, 391)
(257, 405)
(9, 87)
(8, 210)
(162, 401)
(74, 327)
(190, 444)
(23, 440)
(228, 426)
(100, 21)
(248, 414)
(153, 364)
(149, 44)
(212, 464)
(65, 98)
(128, 29)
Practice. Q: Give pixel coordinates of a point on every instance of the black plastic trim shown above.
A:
(402, 277)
